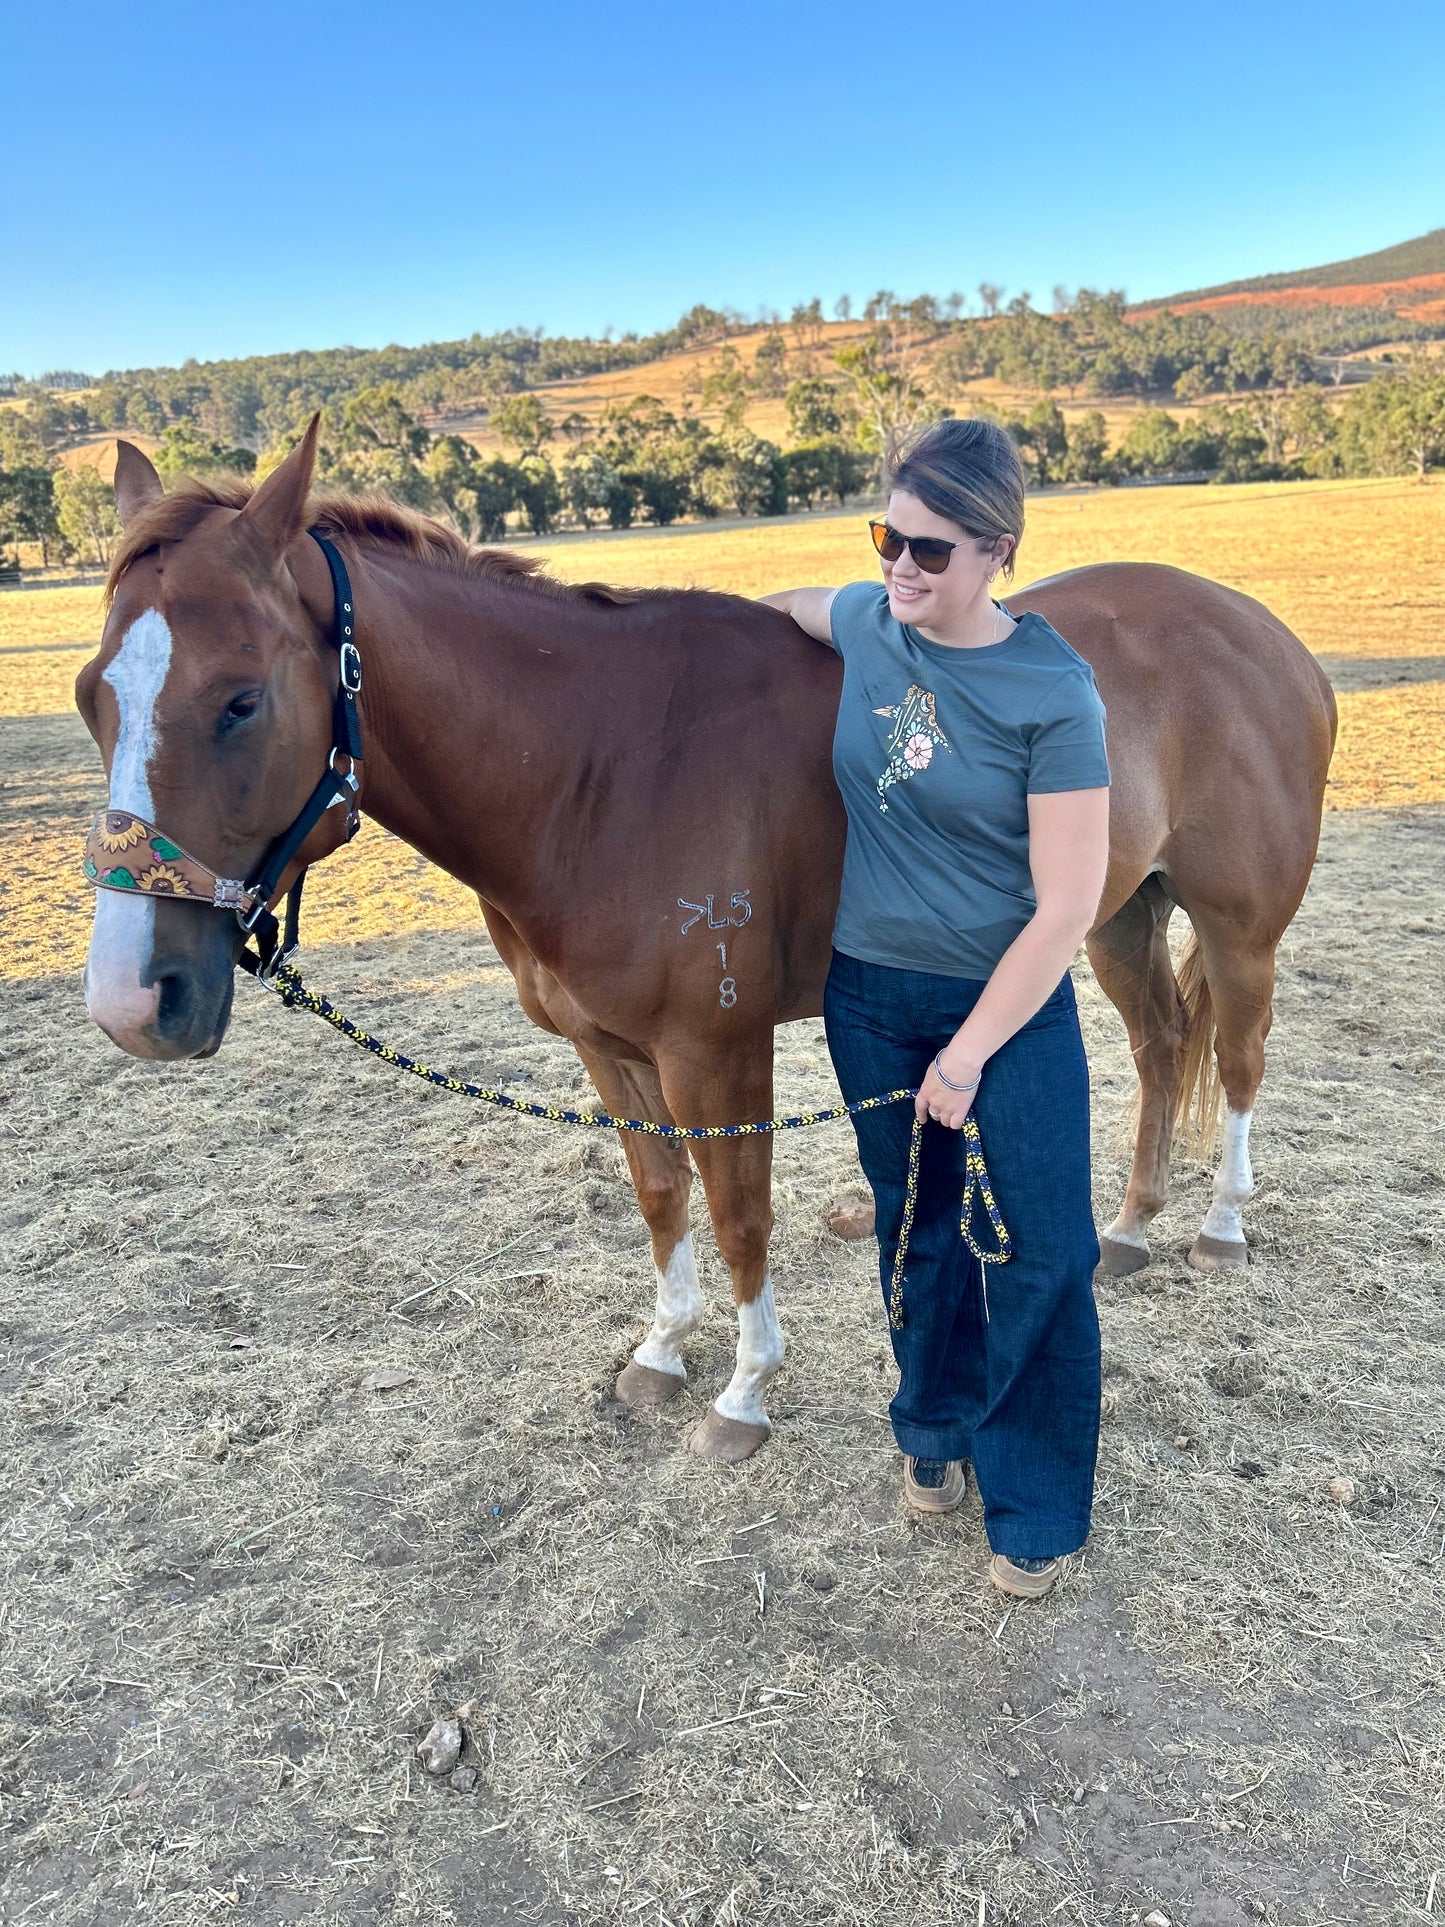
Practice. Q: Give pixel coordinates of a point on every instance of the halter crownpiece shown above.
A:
(124, 852)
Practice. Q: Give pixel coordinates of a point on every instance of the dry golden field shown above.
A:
(237, 1583)
(1353, 567)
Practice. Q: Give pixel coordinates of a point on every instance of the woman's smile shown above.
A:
(908, 597)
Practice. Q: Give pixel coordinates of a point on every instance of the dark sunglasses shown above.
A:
(928, 551)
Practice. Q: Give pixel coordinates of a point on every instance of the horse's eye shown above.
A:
(241, 708)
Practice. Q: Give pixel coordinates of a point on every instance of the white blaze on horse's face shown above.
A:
(122, 938)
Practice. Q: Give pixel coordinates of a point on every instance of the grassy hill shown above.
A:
(1407, 261)
(677, 380)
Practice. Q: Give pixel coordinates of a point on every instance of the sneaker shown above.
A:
(1024, 1578)
(933, 1485)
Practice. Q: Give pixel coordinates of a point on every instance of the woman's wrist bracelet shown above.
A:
(944, 1078)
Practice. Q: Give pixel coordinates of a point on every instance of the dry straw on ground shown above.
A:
(240, 1584)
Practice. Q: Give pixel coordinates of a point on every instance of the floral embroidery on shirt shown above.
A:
(914, 738)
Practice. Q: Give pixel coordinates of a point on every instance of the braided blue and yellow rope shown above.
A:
(296, 996)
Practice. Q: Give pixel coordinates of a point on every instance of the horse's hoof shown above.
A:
(728, 1441)
(1118, 1260)
(640, 1386)
(1218, 1254)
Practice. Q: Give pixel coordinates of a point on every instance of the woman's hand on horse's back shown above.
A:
(811, 609)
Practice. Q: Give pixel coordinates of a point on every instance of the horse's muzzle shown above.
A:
(162, 992)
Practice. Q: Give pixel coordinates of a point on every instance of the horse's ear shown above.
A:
(277, 511)
(136, 482)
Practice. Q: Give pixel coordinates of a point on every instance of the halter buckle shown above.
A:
(351, 668)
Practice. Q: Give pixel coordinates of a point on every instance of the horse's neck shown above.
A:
(476, 719)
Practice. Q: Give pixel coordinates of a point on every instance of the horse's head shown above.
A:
(211, 702)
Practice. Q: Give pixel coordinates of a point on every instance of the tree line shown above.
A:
(1087, 343)
(251, 401)
(1395, 425)
(1257, 414)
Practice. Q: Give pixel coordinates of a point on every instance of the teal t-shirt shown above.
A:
(936, 753)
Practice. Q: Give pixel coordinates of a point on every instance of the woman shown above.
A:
(970, 755)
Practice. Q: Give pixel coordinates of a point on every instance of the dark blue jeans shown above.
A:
(1008, 1379)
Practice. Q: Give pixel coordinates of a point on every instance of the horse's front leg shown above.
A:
(737, 1177)
(662, 1178)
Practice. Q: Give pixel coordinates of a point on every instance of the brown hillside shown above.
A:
(1421, 298)
(676, 381)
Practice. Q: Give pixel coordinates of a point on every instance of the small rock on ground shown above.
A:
(442, 1748)
(851, 1217)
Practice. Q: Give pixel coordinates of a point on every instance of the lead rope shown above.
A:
(295, 995)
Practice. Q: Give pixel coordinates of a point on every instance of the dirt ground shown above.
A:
(238, 1585)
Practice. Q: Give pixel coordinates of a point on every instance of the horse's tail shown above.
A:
(1201, 1096)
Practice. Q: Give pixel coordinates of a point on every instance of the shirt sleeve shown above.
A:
(1066, 738)
(851, 610)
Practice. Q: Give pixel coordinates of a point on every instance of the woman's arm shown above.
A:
(1068, 860)
(811, 609)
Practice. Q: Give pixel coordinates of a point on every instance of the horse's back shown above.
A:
(1168, 624)
(1221, 722)
(1170, 644)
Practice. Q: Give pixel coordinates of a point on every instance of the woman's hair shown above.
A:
(968, 471)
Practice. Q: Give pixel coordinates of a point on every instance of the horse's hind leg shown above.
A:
(1240, 974)
(662, 1177)
(1130, 956)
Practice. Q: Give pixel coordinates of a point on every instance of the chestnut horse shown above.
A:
(638, 787)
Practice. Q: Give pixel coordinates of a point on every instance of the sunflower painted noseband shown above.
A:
(124, 852)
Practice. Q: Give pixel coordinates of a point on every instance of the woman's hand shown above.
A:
(937, 1101)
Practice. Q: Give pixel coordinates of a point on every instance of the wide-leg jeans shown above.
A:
(1004, 1373)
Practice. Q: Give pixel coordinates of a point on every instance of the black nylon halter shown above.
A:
(273, 945)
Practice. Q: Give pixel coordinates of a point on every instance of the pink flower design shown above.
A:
(918, 751)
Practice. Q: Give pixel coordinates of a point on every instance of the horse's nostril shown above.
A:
(177, 999)
(193, 1005)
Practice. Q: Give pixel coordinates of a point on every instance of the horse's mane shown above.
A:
(372, 517)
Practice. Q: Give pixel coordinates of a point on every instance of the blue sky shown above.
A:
(203, 181)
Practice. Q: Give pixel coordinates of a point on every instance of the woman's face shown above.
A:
(936, 601)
